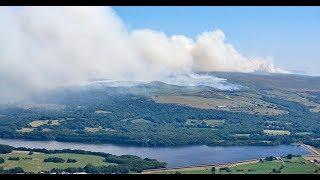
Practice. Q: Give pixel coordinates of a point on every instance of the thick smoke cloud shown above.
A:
(48, 47)
(208, 53)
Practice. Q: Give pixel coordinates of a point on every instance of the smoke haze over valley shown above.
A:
(47, 47)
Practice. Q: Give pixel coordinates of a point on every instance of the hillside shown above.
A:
(269, 109)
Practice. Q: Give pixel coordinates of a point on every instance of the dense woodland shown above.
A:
(165, 124)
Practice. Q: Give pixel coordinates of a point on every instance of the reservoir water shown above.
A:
(174, 156)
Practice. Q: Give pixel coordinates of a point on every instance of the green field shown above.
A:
(213, 122)
(93, 130)
(242, 102)
(304, 133)
(102, 112)
(140, 121)
(25, 130)
(296, 165)
(241, 135)
(276, 132)
(34, 163)
(38, 123)
(301, 98)
(207, 122)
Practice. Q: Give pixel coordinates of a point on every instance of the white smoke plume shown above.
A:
(48, 47)
(208, 53)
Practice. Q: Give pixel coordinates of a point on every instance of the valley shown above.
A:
(157, 114)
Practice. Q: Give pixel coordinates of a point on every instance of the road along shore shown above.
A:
(314, 153)
(187, 168)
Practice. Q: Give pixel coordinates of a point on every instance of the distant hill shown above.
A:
(272, 81)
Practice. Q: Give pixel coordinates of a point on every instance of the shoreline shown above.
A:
(314, 152)
(136, 146)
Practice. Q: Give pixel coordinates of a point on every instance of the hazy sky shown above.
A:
(290, 35)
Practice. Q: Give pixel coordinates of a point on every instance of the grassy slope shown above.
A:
(293, 166)
(296, 167)
(36, 164)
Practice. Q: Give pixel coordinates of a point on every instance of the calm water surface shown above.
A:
(174, 156)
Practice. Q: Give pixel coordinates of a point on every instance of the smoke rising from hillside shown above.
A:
(48, 47)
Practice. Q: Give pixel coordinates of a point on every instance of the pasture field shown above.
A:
(207, 122)
(245, 103)
(241, 135)
(93, 130)
(213, 122)
(303, 133)
(34, 163)
(102, 112)
(268, 111)
(38, 123)
(298, 97)
(46, 130)
(296, 165)
(97, 129)
(25, 130)
(140, 121)
(55, 122)
(276, 132)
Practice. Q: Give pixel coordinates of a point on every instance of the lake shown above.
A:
(174, 156)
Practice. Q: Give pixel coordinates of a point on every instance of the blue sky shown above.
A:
(291, 35)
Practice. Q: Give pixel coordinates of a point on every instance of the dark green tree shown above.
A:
(213, 170)
(4, 149)
(1, 160)
(14, 158)
(289, 156)
(54, 159)
(71, 161)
